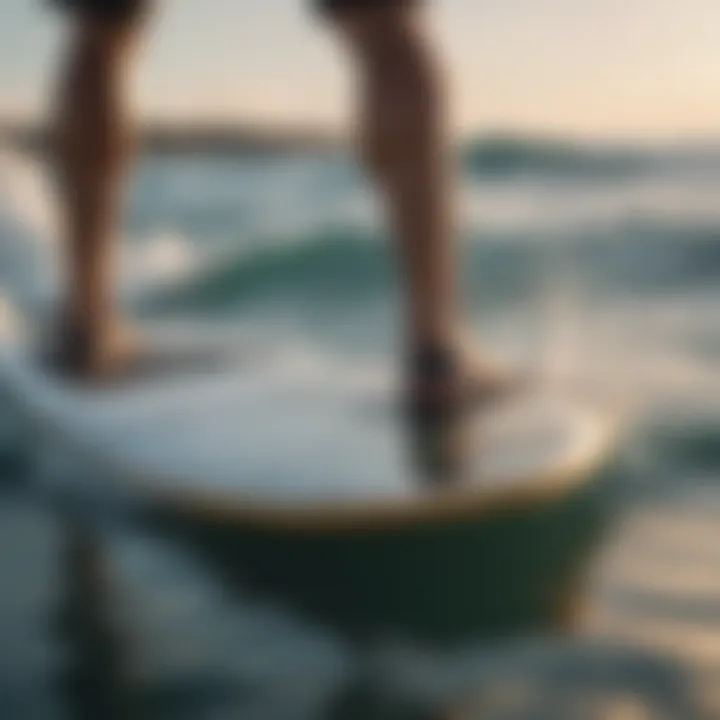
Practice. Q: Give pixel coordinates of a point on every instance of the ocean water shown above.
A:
(593, 262)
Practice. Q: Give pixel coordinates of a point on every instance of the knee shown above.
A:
(404, 108)
(96, 45)
(91, 96)
(403, 92)
(97, 51)
(103, 38)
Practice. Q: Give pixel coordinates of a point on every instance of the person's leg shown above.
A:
(403, 142)
(92, 133)
(404, 139)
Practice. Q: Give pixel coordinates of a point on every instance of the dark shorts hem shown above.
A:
(112, 10)
(127, 9)
(333, 6)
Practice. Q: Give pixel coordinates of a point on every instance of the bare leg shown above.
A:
(92, 148)
(405, 142)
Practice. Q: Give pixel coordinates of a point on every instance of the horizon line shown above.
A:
(159, 132)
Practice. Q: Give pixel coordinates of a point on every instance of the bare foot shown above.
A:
(453, 380)
(446, 386)
(95, 355)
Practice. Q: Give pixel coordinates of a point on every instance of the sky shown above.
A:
(595, 68)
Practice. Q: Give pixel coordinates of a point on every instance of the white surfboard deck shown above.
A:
(271, 427)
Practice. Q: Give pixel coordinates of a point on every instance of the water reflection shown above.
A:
(558, 680)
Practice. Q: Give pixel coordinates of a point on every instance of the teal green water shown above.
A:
(609, 259)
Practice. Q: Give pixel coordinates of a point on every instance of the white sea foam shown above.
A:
(30, 260)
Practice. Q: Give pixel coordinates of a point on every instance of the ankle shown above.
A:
(432, 361)
(83, 335)
(434, 338)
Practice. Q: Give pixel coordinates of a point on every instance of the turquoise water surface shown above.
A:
(605, 262)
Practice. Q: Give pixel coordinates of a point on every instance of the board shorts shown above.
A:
(126, 9)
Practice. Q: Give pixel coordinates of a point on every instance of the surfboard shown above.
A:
(289, 471)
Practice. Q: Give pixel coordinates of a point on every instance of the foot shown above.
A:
(94, 355)
(454, 380)
(445, 387)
